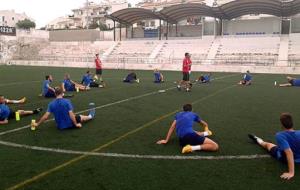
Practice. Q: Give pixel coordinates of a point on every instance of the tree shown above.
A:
(25, 24)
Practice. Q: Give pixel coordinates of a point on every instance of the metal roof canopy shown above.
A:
(231, 10)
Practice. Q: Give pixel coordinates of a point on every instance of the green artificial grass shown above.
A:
(231, 111)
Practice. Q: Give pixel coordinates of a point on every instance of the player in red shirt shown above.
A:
(98, 67)
(186, 69)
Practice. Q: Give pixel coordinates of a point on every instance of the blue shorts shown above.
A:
(191, 139)
(71, 88)
(50, 94)
(278, 154)
(295, 82)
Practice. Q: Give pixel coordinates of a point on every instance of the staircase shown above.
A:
(283, 52)
(213, 51)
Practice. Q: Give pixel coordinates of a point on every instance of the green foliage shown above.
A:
(25, 24)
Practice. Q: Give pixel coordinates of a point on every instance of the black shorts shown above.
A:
(191, 139)
(278, 154)
(99, 71)
(186, 76)
(12, 115)
(78, 118)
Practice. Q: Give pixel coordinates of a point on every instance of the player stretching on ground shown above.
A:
(130, 78)
(291, 82)
(98, 68)
(6, 113)
(62, 110)
(186, 69)
(288, 148)
(88, 81)
(204, 78)
(247, 79)
(189, 139)
(158, 76)
(70, 85)
(47, 90)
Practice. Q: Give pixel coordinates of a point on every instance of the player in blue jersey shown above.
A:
(88, 81)
(204, 78)
(247, 79)
(6, 113)
(291, 82)
(69, 85)
(64, 116)
(190, 139)
(131, 78)
(288, 145)
(47, 90)
(158, 76)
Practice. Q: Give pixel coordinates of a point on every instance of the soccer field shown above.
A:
(118, 150)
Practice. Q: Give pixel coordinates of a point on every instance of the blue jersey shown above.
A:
(60, 108)
(296, 82)
(206, 78)
(46, 85)
(247, 77)
(131, 77)
(289, 139)
(69, 86)
(86, 80)
(4, 112)
(157, 76)
(184, 123)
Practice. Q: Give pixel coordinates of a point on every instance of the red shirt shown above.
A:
(186, 65)
(98, 63)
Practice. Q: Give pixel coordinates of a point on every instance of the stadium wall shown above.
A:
(150, 65)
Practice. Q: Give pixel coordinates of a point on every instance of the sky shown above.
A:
(44, 11)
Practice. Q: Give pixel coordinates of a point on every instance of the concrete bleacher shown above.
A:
(130, 49)
(294, 48)
(252, 49)
(175, 49)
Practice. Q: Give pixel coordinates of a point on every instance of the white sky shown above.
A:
(44, 11)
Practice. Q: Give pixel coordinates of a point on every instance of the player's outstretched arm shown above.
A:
(170, 132)
(291, 165)
(43, 119)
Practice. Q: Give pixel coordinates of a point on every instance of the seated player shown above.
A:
(21, 101)
(247, 79)
(158, 76)
(189, 139)
(88, 81)
(291, 82)
(47, 90)
(6, 113)
(70, 85)
(204, 78)
(288, 148)
(64, 116)
(131, 78)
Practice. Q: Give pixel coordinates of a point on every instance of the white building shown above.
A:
(10, 18)
(90, 13)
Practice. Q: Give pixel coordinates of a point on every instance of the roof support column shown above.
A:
(131, 31)
(167, 30)
(202, 26)
(159, 37)
(176, 29)
(120, 31)
(114, 30)
(222, 29)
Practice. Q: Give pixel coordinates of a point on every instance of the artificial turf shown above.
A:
(138, 117)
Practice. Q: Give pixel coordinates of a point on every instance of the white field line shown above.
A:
(109, 104)
(136, 156)
(19, 83)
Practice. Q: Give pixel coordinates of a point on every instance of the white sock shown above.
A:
(197, 147)
(90, 116)
(15, 101)
(259, 140)
(205, 134)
